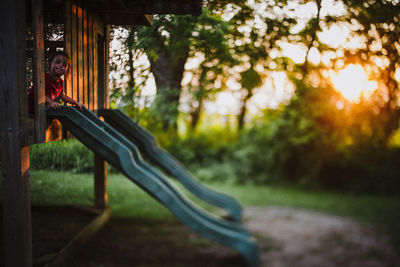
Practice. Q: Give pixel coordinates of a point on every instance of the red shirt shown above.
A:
(53, 90)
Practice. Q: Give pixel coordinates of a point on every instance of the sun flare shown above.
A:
(352, 82)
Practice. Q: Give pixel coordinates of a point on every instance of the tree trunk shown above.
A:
(196, 115)
(313, 37)
(168, 73)
(242, 113)
(130, 41)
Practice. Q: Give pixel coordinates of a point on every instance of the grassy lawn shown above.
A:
(128, 200)
(125, 198)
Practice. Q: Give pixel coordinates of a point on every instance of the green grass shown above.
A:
(127, 200)
(362, 207)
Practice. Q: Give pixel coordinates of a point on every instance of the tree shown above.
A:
(169, 43)
(219, 44)
(378, 22)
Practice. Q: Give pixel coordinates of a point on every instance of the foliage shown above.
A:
(217, 44)
(319, 138)
(203, 149)
(377, 22)
(366, 169)
(63, 155)
(169, 43)
(292, 146)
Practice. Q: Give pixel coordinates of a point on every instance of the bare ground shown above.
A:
(287, 237)
(293, 237)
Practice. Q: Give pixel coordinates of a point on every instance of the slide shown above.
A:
(123, 155)
(148, 146)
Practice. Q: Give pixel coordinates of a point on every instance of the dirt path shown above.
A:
(287, 238)
(297, 238)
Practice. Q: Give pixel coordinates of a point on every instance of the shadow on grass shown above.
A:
(124, 241)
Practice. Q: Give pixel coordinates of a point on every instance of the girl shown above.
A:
(54, 84)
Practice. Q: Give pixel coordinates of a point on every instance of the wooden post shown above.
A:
(15, 159)
(100, 166)
(80, 69)
(68, 44)
(39, 70)
(107, 66)
(74, 53)
(100, 182)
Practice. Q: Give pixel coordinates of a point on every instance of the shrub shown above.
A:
(65, 155)
(203, 149)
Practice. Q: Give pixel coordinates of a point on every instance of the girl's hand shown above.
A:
(79, 105)
(54, 105)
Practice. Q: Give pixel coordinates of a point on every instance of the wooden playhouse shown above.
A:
(85, 28)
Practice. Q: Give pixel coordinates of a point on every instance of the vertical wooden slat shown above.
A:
(68, 44)
(74, 52)
(85, 69)
(39, 70)
(107, 67)
(100, 71)
(90, 62)
(99, 80)
(95, 68)
(17, 232)
(80, 69)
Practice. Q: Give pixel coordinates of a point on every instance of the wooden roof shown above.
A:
(128, 12)
(120, 12)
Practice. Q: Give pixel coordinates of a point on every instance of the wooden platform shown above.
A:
(60, 231)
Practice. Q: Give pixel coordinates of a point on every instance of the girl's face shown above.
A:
(59, 66)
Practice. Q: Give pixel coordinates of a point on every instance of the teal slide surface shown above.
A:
(123, 155)
(147, 144)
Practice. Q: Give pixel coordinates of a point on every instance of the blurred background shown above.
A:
(291, 103)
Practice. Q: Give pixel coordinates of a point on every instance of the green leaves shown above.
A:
(250, 79)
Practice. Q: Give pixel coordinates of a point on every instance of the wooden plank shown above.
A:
(80, 239)
(149, 18)
(90, 62)
(80, 69)
(95, 69)
(101, 71)
(85, 57)
(74, 53)
(67, 43)
(24, 130)
(17, 232)
(38, 71)
(97, 35)
(100, 182)
(107, 66)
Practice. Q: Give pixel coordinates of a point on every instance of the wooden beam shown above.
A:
(74, 53)
(15, 159)
(100, 182)
(68, 43)
(101, 72)
(80, 97)
(149, 18)
(107, 32)
(39, 70)
(80, 239)
(181, 7)
(90, 63)
(85, 58)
